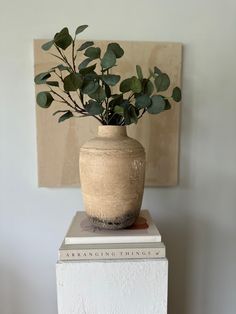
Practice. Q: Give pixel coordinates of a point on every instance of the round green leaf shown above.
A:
(87, 70)
(85, 45)
(142, 101)
(80, 29)
(176, 94)
(89, 86)
(72, 82)
(63, 38)
(157, 104)
(93, 107)
(162, 82)
(42, 78)
(139, 72)
(111, 79)
(84, 63)
(135, 85)
(119, 110)
(47, 45)
(148, 87)
(125, 86)
(116, 48)
(44, 99)
(167, 104)
(93, 52)
(99, 95)
(108, 60)
(133, 115)
(65, 116)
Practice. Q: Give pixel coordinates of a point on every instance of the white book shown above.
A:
(77, 252)
(81, 231)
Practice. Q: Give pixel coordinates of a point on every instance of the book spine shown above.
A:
(96, 254)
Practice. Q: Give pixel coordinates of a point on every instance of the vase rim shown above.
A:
(112, 130)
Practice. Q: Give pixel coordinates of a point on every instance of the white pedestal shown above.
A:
(112, 287)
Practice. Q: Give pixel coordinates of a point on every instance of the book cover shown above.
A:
(81, 231)
(77, 252)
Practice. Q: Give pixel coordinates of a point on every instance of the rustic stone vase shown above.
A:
(112, 172)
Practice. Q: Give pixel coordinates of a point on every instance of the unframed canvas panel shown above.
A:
(59, 143)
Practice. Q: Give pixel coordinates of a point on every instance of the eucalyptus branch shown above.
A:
(79, 84)
(64, 58)
(130, 97)
(52, 54)
(73, 53)
(68, 93)
(144, 110)
(55, 93)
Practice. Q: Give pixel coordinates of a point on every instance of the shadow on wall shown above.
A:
(176, 219)
(176, 238)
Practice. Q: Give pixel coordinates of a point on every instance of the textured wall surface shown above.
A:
(196, 218)
(114, 287)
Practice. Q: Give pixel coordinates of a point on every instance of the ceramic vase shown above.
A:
(112, 173)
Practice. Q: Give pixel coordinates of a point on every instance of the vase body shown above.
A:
(112, 173)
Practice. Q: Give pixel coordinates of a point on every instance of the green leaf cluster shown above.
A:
(86, 88)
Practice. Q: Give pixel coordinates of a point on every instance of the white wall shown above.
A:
(197, 218)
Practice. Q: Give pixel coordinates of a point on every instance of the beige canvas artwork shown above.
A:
(58, 144)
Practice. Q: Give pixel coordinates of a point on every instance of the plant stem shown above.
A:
(144, 110)
(73, 53)
(64, 58)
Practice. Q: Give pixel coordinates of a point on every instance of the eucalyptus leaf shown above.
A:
(116, 48)
(47, 45)
(44, 99)
(167, 105)
(93, 107)
(107, 91)
(125, 86)
(62, 67)
(148, 87)
(108, 60)
(135, 85)
(117, 100)
(119, 110)
(53, 83)
(80, 29)
(162, 82)
(133, 115)
(65, 116)
(72, 82)
(93, 52)
(157, 104)
(111, 79)
(157, 71)
(139, 72)
(87, 70)
(176, 94)
(84, 63)
(142, 101)
(85, 45)
(63, 39)
(89, 86)
(41, 78)
(99, 95)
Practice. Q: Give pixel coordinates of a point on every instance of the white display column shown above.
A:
(112, 287)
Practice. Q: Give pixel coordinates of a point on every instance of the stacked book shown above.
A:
(85, 242)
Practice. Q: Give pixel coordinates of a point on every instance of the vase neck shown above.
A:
(112, 131)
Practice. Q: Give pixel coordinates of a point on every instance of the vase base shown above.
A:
(114, 224)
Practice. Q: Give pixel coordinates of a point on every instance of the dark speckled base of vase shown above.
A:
(115, 224)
